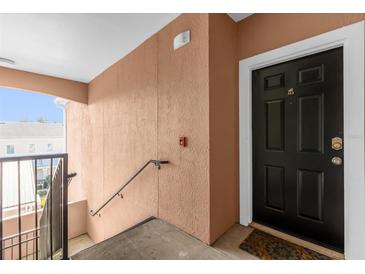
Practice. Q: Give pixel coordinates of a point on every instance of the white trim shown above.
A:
(352, 39)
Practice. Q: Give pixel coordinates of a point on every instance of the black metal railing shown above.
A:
(157, 163)
(49, 235)
(28, 242)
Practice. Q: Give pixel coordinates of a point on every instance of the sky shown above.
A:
(17, 105)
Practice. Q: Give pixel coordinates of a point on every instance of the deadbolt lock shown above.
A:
(336, 143)
(291, 92)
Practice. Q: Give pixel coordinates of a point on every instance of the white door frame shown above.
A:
(352, 39)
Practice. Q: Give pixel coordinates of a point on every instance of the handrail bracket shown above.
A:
(158, 163)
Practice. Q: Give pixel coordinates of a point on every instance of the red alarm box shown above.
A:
(183, 141)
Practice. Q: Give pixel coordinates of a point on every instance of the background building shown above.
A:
(24, 138)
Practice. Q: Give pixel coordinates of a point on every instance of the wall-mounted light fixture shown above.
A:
(181, 39)
(6, 60)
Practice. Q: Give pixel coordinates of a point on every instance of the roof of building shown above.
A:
(15, 130)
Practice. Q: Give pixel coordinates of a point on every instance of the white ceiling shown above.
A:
(76, 46)
(239, 16)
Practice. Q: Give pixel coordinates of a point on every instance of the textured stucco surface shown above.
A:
(76, 218)
(129, 126)
(137, 110)
(223, 124)
(183, 93)
(68, 89)
(75, 144)
(266, 31)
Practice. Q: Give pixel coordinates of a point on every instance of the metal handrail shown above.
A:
(157, 163)
(71, 176)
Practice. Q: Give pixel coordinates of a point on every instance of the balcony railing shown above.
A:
(47, 239)
(28, 240)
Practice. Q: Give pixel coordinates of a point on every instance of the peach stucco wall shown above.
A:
(75, 143)
(122, 113)
(223, 124)
(262, 32)
(59, 87)
(76, 218)
(137, 110)
(183, 110)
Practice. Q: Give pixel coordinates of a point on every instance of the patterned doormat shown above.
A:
(268, 247)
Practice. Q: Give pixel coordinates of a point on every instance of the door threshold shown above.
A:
(320, 249)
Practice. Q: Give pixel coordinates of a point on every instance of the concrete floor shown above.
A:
(230, 241)
(157, 239)
(78, 244)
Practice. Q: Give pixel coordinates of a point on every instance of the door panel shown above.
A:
(310, 123)
(275, 125)
(297, 110)
(310, 75)
(274, 187)
(310, 194)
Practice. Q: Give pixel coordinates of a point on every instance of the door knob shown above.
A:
(337, 161)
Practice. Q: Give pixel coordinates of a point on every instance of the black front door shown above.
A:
(297, 122)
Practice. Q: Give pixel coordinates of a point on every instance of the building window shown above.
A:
(10, 149)
(31, 148)
(49, 147)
